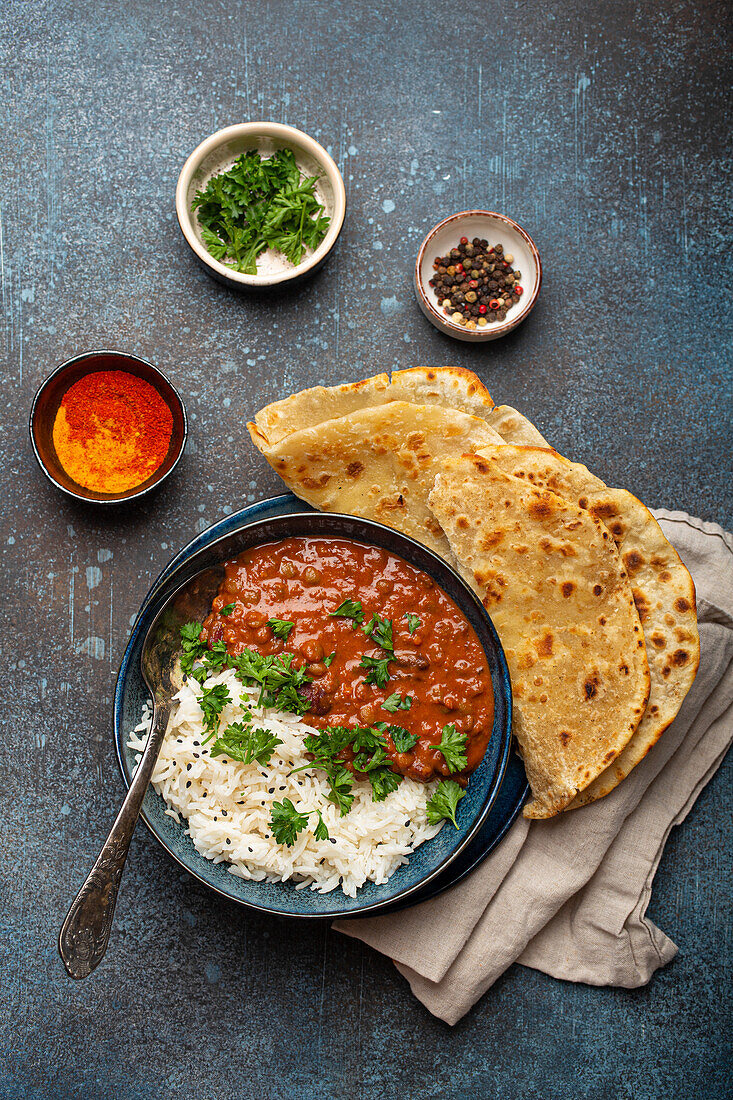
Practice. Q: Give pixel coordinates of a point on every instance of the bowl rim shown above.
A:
(450, 327)
(161, 584)
(115, 354)
(265, 129)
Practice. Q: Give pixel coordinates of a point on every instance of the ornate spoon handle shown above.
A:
(85, 932)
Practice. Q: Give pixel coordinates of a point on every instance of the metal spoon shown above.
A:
(85, 932)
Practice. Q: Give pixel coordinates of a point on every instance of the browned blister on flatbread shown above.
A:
(450, 387)
(377, 462)
(551, 577)
(662, 588)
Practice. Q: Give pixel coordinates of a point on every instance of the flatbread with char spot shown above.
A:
(662, 588)
(450, 387)
(377, 462)
(551, 577)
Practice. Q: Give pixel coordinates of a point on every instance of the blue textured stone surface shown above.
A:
(601, 128)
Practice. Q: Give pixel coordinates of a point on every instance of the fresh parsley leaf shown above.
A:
(212, 703)
(216, 659)
(225, 611)
(362, 762)
(191, 645)
(340, 782)
(278, 681)
(383, 781)
(367, 738)
(321, 830)
(402, 738)
(240, 742)
(349, 609)
(453, 747)
(395, 701)
(380, 631)
(328, 660)
(280, 627)
(326, 746)
(378, 670)
(442, 805)
(413, 621)
(286, 822)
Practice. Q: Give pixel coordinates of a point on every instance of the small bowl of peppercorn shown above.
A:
(477, 275)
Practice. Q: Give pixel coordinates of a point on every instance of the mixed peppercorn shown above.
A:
(476, 283)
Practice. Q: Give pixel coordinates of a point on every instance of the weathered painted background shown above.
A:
(601, 127)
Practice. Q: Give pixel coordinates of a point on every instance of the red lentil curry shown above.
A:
(382, 646)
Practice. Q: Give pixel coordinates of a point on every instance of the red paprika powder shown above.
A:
(112, 431)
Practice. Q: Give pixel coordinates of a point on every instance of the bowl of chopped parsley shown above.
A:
(260, 204)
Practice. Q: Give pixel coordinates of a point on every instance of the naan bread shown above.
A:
(551, 578)
(663, 592)
(377, 462)
(451, 387)
(513, 427)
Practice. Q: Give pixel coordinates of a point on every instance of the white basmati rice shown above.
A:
(227, 805)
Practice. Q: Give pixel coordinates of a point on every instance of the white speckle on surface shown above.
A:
(353, 150)
(92, 646)
(93, 575)
(65, 809)
(388, 206)
(583, 83)
(377, 245)
(104, 555)
(11, 541)
(391, 306)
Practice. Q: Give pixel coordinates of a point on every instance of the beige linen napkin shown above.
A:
(569, 896)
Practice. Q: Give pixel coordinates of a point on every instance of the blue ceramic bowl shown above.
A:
(432, 858)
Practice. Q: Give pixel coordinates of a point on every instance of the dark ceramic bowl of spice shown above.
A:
(477, 275)
(107, 427)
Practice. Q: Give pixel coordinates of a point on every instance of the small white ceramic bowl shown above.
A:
(496, 229)
(217, 154)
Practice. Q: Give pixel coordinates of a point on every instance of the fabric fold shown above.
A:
(569, 896)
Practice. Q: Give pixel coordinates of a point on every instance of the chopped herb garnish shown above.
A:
(340, 782)
(395, 701)
(380, 631)
(192, 646)
(349, 609)
(442, 805)
(278, 681)
(453, 747)
(321, 831)
(413, 621)
(383, 781)
(378, 670)
(216, 659)
(258, 204)
(402, 738)
(362, 762)
(240, 742)
(368, 738)
(212, 703)
(286, 822)
(328, 660)
(225, 611)
(280, 627)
